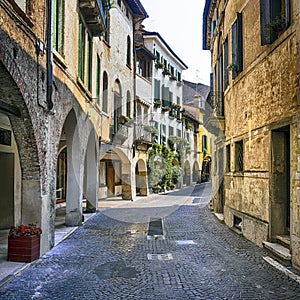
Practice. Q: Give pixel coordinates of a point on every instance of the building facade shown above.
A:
(175, 128)
(67, 72)
(194, 103)
(255, 116)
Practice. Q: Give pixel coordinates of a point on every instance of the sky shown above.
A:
(180, 25)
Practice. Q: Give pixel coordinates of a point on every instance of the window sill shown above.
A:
(21, 13)
(59, 59)
(84, 89)
(128, 66)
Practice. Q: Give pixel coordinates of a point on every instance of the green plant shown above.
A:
(158, 64)
(232, 67)
(151, 129)
(166, 108)
(24, 230)
(276, 25)
(166, 71)
(157, 103)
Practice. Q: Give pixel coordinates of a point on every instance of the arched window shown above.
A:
(128, 61)
(117, 106)
(105, 93)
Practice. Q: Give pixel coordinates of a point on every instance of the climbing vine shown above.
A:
(162, 171)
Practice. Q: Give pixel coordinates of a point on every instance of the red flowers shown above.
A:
(24, 230)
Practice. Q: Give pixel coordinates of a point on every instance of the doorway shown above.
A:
(280, 182)
(7, 189)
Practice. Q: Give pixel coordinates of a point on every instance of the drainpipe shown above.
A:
(134, 85)
(49, 55)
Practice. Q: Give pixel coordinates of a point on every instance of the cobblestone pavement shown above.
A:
(196, 258)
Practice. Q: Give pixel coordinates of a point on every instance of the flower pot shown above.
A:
(23, 248)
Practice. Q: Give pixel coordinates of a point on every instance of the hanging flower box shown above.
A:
(24, 243)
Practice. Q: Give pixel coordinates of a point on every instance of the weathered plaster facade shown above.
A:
(257, 83)
(45, 134)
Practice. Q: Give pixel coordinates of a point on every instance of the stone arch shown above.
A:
(117, 180)
(141, 180)
(74, 179)
(27, 199)
(91, 173)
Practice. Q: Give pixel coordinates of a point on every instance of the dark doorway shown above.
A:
(280, 182)
(7, 190)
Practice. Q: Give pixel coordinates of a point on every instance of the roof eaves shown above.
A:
(153, 33)
(137, 8)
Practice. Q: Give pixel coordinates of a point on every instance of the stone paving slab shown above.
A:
(108, 258)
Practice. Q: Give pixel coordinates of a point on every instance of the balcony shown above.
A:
(144, 137)
(214, 118)
(120, 134)
(95, 15)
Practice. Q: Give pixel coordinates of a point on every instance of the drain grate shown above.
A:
(162, 256)
(186, 242)
(155, 226)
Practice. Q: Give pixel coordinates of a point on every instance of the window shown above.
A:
(81, 52)
(128, 60)
(157, 55)
(156, 89)
(58, 26)
(178, 100)
(165, 96)
(89, 74)
(239, 156)
(237, 46)
(178, 132)
(98, 80)
(228, 158)
(179, 76)
(274, 18)
(170, 98)
(187, 136)
(128, 104)
(85, 55)
(171, 131)
(105, 93)
(163, 138)
(226, 71)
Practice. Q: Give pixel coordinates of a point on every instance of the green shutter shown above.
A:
(80, 51)
(60, 26)
(156, 89)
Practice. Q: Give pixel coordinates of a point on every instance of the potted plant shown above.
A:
(157, 103)
(24, 243)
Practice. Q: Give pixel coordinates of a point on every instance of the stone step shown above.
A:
(284, 240)
(279, 250)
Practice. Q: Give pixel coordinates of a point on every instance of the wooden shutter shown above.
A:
(156, 89)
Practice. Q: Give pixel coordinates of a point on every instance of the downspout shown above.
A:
(134, 85)
(49, 55)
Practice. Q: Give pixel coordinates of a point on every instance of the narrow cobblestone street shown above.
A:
(112, 257)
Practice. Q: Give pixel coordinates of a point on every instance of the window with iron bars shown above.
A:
(228, 158)
(239, 156)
